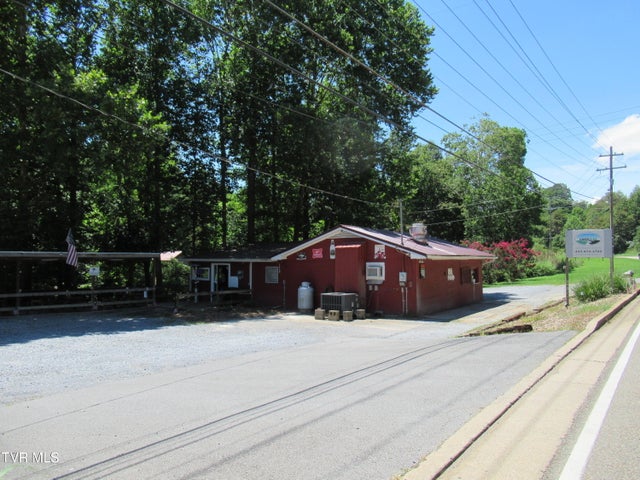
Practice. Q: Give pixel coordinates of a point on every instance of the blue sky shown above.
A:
(573, 85)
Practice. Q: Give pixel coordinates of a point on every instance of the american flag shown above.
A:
(72, 253)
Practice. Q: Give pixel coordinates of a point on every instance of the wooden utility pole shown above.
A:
(611, 169)
(401, 224)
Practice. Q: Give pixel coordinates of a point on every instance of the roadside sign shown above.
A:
(589, 243)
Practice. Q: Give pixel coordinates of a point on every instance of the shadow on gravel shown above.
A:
(27, 328)
(492, 298)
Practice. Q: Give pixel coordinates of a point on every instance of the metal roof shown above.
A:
(432, 248)
(44, 256)
(250, 253)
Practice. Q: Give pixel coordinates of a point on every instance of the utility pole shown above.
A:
(611, 169)
(401, 224)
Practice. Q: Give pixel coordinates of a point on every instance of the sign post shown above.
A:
(587, 244)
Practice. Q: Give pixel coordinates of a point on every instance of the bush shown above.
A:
(176, 279)
(598, 287)
(620, 284)
(544, 268)
(514, 260)
(594, 288)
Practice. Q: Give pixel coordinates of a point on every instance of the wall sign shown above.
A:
(316, 253)
(379, 252)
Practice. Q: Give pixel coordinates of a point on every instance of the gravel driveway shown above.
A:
(50, 353)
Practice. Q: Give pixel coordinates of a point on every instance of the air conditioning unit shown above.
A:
(375, 272)
(339, 301)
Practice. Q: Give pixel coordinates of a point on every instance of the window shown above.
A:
(200, 273)
(468, 275)
(271, 274)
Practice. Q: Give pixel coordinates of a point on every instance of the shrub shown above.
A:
(544, 268)
(599, 286)
(514, 260)
(620, 284)
(176, 279)
(592, 289)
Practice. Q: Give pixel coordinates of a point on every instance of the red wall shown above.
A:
(317, 268)
(436, 292)
(419, 296)
(390, 297)
(267, 294)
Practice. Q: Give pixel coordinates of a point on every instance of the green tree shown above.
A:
(598, 216)
(43, 142)
(424, 179)
(176, 280)
(311, 124)
(501, 199)
(553, 218)
(144, 127)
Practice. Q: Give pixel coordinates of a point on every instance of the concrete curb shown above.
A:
(436, 463)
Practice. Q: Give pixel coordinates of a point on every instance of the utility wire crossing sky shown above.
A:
(565, 72)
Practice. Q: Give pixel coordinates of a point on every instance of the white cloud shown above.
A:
(624, 137)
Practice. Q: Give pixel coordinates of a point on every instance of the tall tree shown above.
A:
(502, 200)
(559, 206)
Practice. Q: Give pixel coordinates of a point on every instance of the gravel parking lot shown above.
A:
(132, 394)
(50, 353)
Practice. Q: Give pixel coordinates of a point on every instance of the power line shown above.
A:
(561, 78)
(491, 77)
(392, 84)
(177, 143)
(227, 160)
(330, 89)
(474, 86)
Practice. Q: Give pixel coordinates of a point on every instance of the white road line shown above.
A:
(577, 461)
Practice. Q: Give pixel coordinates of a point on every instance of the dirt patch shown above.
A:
(194, 313)
(555, 317)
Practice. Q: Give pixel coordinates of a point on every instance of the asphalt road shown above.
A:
(603, 442)
(314, 400)
(617, 449)
(548, 426)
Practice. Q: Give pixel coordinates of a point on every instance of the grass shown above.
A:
(577, 315)
(585, 269)
(558, 317)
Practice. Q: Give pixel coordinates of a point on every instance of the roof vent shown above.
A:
(418, 232)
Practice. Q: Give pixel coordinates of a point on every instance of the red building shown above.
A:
(389, 272)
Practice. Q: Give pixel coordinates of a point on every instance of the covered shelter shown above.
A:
(248, 273)
(36, 280)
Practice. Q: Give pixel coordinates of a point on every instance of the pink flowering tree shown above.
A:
(513, 260)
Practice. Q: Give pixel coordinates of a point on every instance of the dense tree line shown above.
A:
(147, 125)
(562, 213)
(151, 125)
